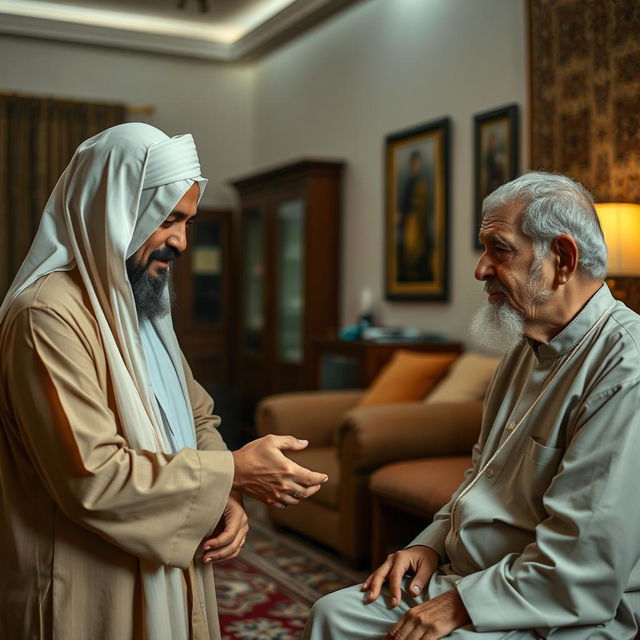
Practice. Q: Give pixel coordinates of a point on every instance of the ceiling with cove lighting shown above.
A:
(223, 30)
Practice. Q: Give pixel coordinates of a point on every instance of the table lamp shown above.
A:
(621, 227)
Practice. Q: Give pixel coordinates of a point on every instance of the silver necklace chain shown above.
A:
(513, 427)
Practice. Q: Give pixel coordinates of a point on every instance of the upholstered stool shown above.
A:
(406, 495)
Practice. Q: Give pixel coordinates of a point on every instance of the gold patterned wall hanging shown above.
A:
(585, 93)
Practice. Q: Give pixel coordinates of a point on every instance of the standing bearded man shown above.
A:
(542, 539)
(116, 489)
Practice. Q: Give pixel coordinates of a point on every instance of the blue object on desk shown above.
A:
(351, 332)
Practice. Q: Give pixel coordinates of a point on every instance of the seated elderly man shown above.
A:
(542, 539)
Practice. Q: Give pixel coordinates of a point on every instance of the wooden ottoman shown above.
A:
(405, 497)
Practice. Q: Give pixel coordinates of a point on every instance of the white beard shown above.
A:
(496, 328)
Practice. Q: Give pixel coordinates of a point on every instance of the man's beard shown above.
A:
(153, 296)
(498, 327)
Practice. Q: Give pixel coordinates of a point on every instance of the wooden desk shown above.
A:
(344, 364)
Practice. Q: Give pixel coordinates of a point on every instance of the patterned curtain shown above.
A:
(37, 139)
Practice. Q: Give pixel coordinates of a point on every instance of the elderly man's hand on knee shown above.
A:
(419, 560)
(263, 472)
(431, 620)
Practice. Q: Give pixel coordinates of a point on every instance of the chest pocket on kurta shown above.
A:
(538, 467)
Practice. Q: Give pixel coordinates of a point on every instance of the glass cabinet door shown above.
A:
(290, 280)
(207, 261)
(253, 282)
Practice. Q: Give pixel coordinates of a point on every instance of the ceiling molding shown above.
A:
(293, 19)
(286, 24)
(114, 38)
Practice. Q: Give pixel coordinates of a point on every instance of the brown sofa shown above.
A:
(349, 444)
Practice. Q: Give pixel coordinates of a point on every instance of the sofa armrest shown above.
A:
(371, 437)
(311, 415)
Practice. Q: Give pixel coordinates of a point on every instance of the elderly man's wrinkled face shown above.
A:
(148, 267)
(515, 281)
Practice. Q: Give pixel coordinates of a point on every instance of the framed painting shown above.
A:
(417, 212)
(496, 155)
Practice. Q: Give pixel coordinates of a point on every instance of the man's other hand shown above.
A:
(433, 619)
(230, 533)
(263, 472)
(419, 560)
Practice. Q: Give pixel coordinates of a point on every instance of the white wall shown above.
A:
(337, 90)
(379, 67)
(211, 101)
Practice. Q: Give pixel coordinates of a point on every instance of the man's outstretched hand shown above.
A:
(263, 472)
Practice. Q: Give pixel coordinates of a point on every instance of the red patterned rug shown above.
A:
(267, 591)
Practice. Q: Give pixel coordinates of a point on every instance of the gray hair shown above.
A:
(554, 205)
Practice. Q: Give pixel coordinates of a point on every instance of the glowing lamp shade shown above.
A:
(621, 227)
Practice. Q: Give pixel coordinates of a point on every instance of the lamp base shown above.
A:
(627, 290)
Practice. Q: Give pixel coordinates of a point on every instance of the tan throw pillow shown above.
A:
(466, 381)
(407, 377)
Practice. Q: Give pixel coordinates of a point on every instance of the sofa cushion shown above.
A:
(407, 377)
(325, 460)
(466, 381)
(423, 485)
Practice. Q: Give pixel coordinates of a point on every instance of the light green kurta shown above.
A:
(549, 538)
(78, 507)
(548, 541)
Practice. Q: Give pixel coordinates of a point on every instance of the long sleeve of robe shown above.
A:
(80, 507)
(548, 538)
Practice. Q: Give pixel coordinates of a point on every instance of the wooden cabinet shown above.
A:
(202, 314)
(288, 274)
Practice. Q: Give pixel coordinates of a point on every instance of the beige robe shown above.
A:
(78, 507)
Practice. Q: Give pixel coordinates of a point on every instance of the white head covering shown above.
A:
(118, 188)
